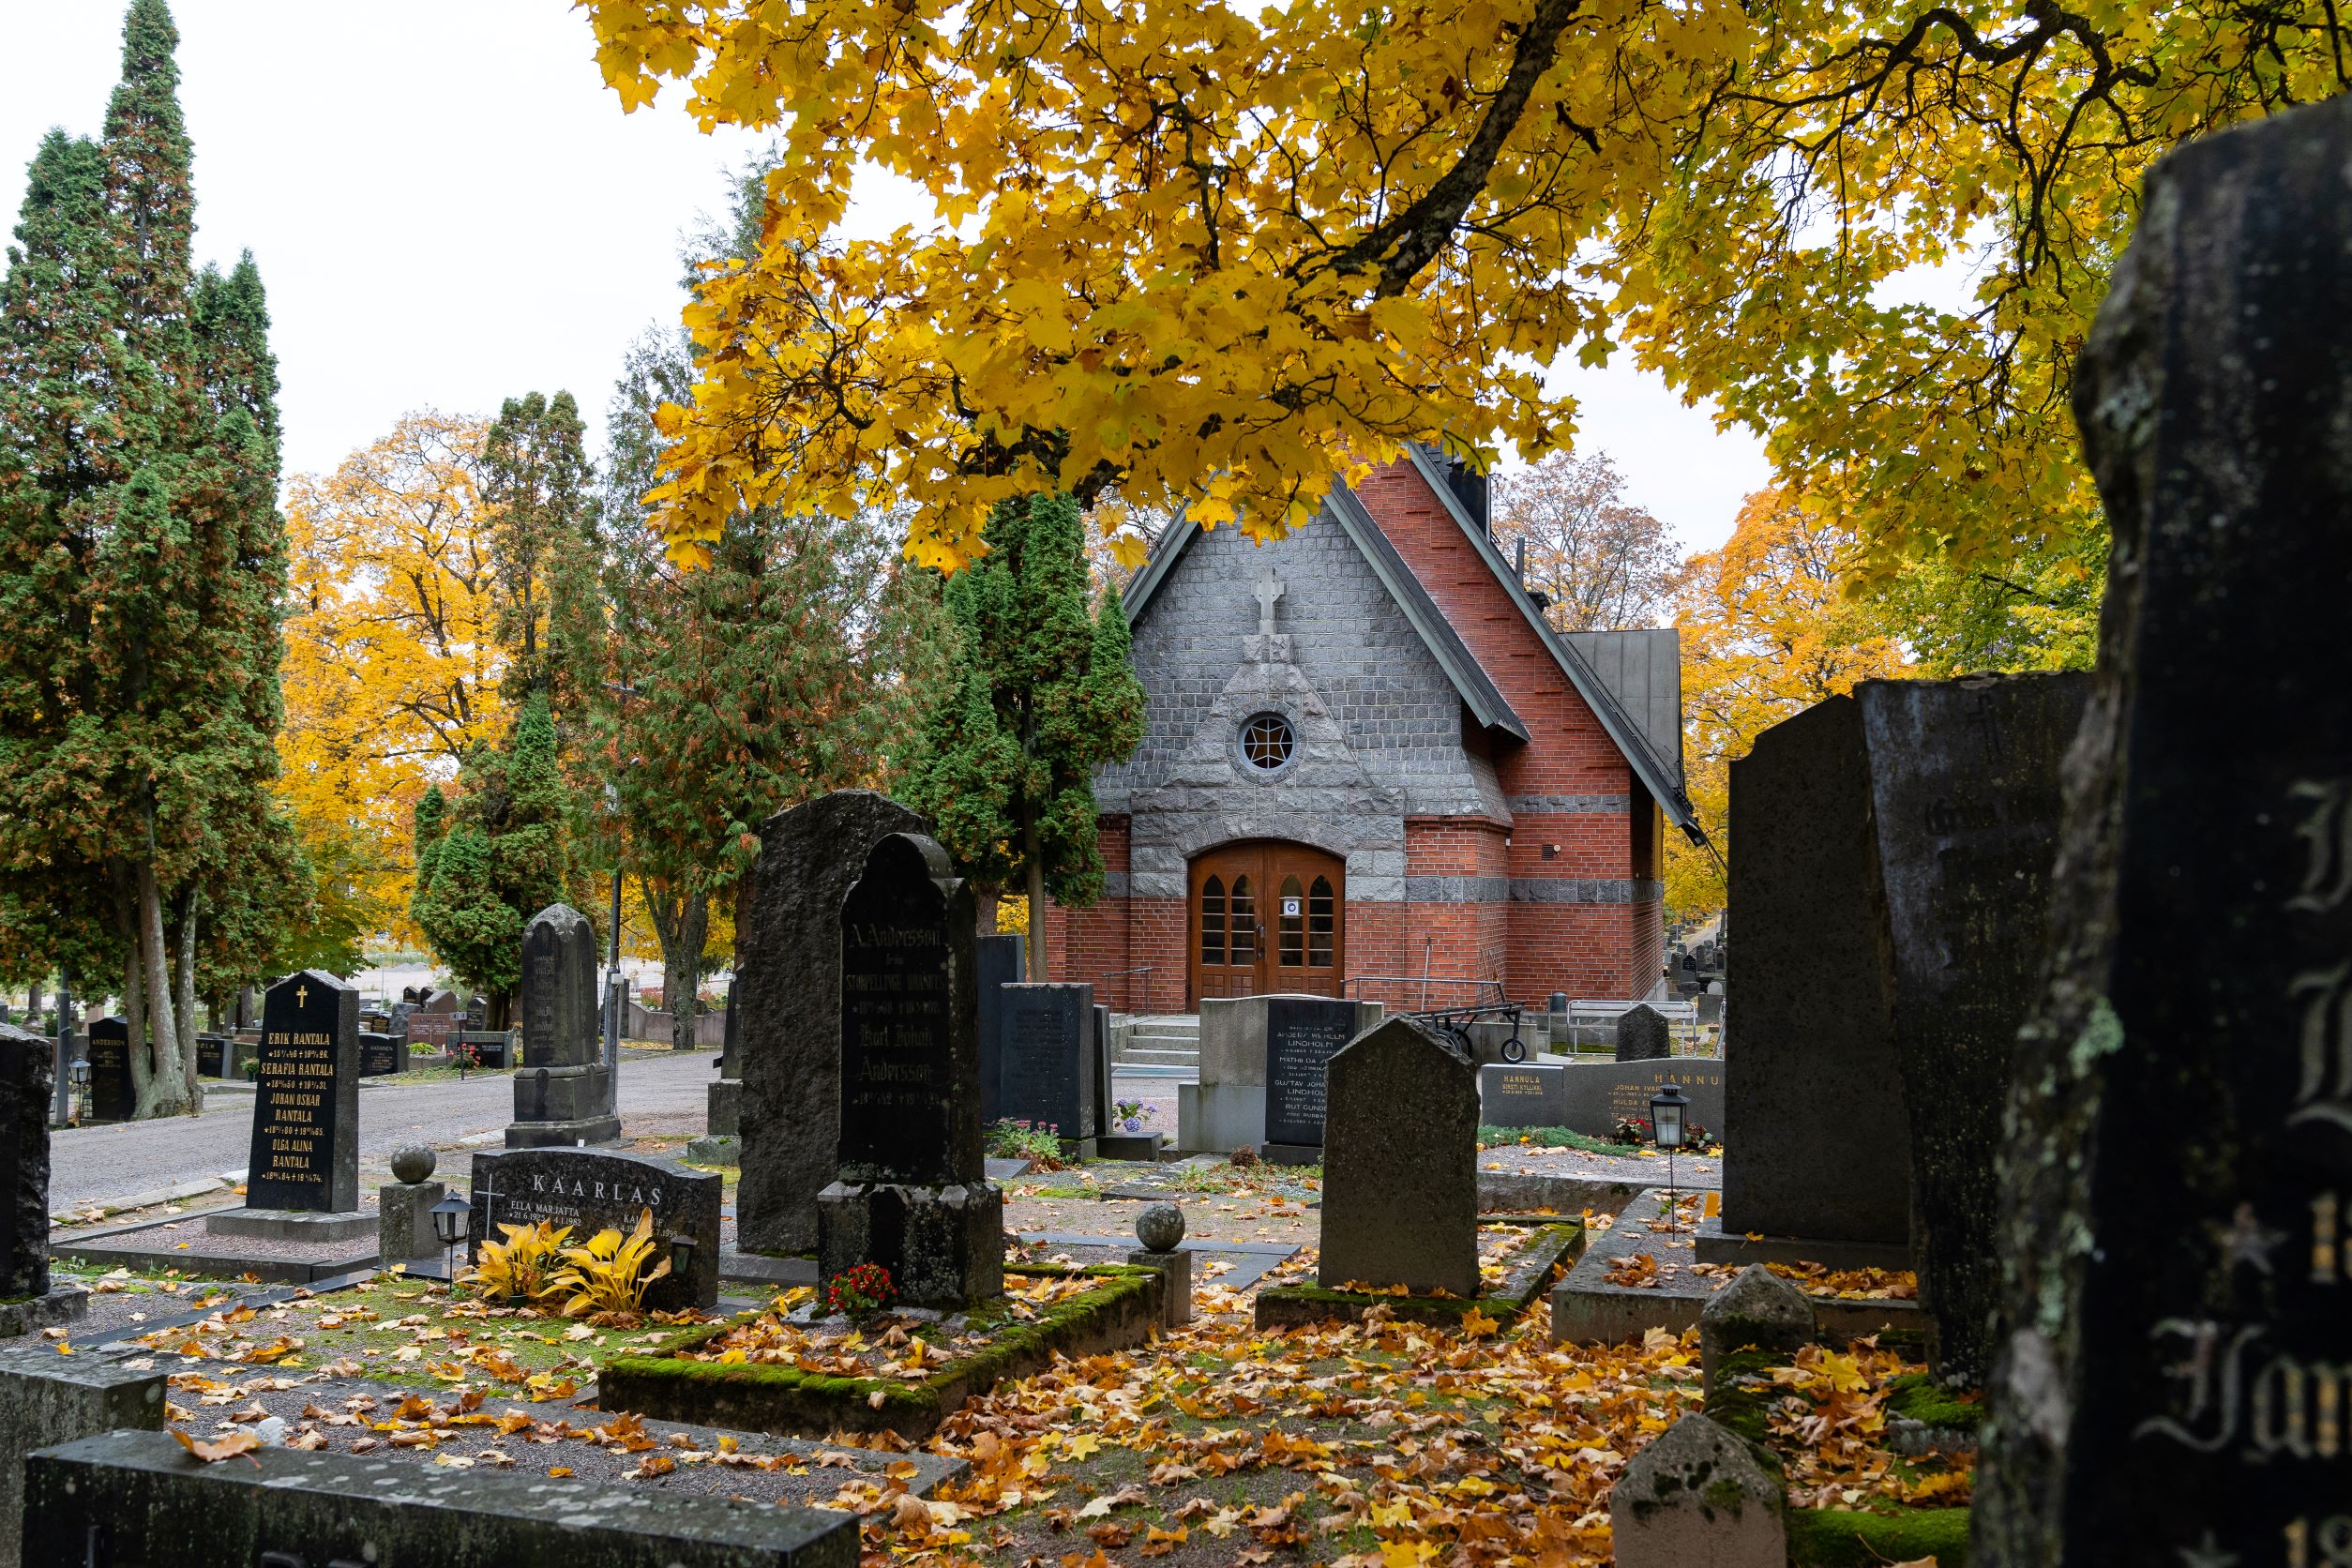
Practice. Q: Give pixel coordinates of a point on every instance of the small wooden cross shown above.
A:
(1269, 589)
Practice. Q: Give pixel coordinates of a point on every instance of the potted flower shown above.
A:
(860, 1290)
(1130, 1116)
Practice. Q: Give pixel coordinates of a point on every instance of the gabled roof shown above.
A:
(1478, 691)
(1663, 780)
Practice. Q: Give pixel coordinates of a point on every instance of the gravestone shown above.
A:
(108, 1042)
(2176, 1233)
(1400, 1163)
(597, 1189)
(401, 1013)
(1699, 1497)
(998, 960)
(436, 1019)
(26, 1299)
(1047, 1060)
(1597, 1095)
(910, 1193)
(789, 984)
(47, 1398)
(1643, 1036)
(212, 1052)
(564, 1088)
(1529, 1094)
(302, 1173)
(1964, 780)
(136, 1500)
(1227, 1109)
(381, 1055)
(1303, 1034)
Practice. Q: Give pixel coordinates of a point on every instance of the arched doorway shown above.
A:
(1267, 916)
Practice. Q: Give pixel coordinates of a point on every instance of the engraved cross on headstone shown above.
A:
(1269, 589)
(302, 996)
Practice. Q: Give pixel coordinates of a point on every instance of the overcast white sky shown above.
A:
(449, 208)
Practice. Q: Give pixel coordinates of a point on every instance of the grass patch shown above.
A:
(1549, 1137)
(1919, 1397)
(1834, 1538)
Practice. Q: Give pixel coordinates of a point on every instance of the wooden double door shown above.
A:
(1267, 916)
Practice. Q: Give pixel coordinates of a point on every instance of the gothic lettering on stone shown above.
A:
(2327, 831)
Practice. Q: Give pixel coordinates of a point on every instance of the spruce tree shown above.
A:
(138, 527)
(1041, 695)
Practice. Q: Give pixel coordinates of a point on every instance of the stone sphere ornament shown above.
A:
(1160, 1226)
(413, 1162)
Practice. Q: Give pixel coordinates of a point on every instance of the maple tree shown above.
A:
(1767, 630)
(392, 671)
(1209, 253)
(142, 562)
(1602, 560)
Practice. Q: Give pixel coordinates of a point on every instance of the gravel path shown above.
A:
(660, 1093)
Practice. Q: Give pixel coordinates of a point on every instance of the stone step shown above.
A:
(1158, 1057)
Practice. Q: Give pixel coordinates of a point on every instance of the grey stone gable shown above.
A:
(1379, 722)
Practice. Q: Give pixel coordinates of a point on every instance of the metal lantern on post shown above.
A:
(682, 1259)
(453, 1219)
(81, 1073)
(1667, 1107)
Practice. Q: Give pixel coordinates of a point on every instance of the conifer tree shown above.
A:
(1042, 695)
(139, 526)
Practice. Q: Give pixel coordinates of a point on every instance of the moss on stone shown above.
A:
(1918, 1396)
(1741, 1399)
(1833, 1538)
(1557, 1241)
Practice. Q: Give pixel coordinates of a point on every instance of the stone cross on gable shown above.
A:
(1269, 589)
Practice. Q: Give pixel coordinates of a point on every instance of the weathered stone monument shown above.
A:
(1235, 1102)
(1400, 1163)
(910, 1191)
(111, 1097)
(27, 1300)
(302, 1175)
(2172, 1386)
(1892, 897)
(47, 1398)
(404, 1224)
(1047, 1059)
(1643, 1034)
(563, 1086)
(789, 985)
(721, 1142)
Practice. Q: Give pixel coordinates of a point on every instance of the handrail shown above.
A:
(1144, 970)
(1424, 982)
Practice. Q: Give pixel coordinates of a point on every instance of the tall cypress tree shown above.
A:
(1041, 695)
(138, 518)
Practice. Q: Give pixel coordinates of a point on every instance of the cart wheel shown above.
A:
(1515, 1050)
(1461, 1040)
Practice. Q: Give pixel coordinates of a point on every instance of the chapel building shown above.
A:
(1371, 767)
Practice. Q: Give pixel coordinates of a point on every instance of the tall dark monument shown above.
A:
(27, 1300)
(789, 985)
(112, 1098)
(302, 1174)
(564, 1088)
(2177, 1226)
(909, 1190)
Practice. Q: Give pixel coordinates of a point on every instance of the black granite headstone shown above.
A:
(305, 1153)
(1047, 1059)
(108, 1042)
(26, 1062)
(2175, 1368)
(997, 959)
(789, 948)
(597, 1189)
(381, 1055)
(1303, 1034)
(211, 1056)
(912, 1193)
(1400, 1169)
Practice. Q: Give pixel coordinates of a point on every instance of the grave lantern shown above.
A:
(453, 1216)
(681, 1256)
(79, 1072)
(1667, 1109)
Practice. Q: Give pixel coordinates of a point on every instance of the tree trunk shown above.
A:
(687, 927)
(183, 994)
(166, 1092)
(134, 985)
(1036, 892)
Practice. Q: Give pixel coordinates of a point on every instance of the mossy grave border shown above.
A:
(785, 1401)
(1558, 1242)
(1839, 1538)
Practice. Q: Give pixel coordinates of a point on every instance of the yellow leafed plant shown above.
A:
(518, 1266)
(607, 1276)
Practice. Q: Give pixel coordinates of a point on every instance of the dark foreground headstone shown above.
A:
(1400, 1163)
(211, 1056)
(2173, 1386)
(1303, 1034)
(138, 1499)
(911, 1192)
(597, 1189)
(108, 1042)
(46, 1399)
(27, 1300)
(789, 949)
(1047, 1061)
(997, 961)
(1643, 1036)
(305, 1154)
(564, 1090)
